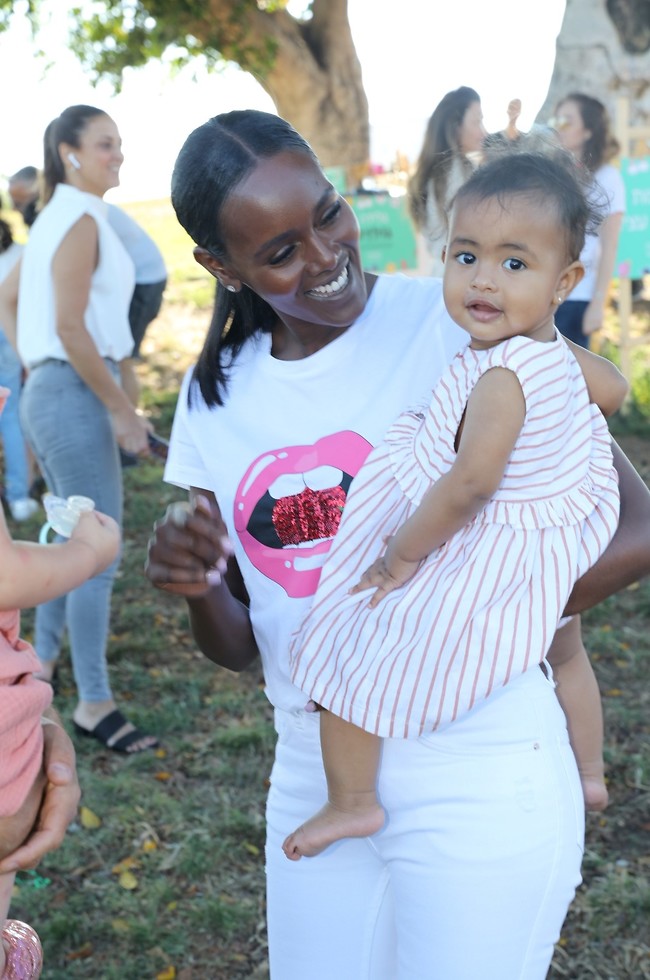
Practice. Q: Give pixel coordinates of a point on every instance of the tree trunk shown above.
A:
(312, 71)
(603, 50)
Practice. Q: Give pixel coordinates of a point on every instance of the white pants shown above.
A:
(474, 871)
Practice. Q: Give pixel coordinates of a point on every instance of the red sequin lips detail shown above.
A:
(308, 516)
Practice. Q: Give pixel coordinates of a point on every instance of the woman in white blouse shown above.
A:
(583, 128)
(72, 300)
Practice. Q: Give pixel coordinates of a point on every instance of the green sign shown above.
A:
(633, 256)
(387, 237)
(336, 177)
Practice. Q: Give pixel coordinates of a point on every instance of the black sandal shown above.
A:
(105, 729)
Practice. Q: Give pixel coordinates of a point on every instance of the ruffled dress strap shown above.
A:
(562, 462)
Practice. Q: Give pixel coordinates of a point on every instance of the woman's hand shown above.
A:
(188, 555)
(131, 430)
(386, 574)
(60, 800)
(189, 550)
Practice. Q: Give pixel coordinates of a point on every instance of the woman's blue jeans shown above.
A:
(70, 433)
(16, 468)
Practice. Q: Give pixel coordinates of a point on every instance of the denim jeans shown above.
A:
(16, 469)
(71, 436)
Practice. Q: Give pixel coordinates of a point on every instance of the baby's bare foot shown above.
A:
(595, 792)
(329, 825)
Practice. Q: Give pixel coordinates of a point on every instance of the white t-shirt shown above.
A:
(281, 452)
(608, 192)
(107, 314)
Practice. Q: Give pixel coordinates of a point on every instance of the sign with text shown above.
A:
(633, 256)
(387, 237)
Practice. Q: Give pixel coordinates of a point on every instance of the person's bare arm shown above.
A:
(9, 303)
(514, 111)
(627, 557)
(31, 573)
(60, 800)
(189, 555)
(606, 385)
(608, 233)
(72, 269)
(493, 419)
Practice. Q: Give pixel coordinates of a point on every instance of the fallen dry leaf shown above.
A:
(128, 881)
(120, 925)
(168, 974)
(126, 864)
(83, 953)
(88, 819)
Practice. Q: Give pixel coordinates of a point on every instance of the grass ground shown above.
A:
(162, 875)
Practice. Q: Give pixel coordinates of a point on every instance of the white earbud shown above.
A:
(73, 160)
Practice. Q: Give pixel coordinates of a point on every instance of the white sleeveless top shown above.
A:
(106, 316)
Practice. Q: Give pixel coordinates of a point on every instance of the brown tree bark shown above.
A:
(308, 66)
(603, 50)
(310, 69)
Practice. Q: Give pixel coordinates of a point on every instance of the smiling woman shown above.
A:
(69, 301)
(307, 362)
(303, 261)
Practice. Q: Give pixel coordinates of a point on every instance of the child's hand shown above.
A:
(101, 533)
(60, 801)
(385, 575)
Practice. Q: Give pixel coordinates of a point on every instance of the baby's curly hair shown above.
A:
(539, 168)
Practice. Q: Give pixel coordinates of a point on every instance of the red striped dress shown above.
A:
(484, 607)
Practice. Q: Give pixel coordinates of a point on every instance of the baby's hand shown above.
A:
(385, 575)
(101, 533)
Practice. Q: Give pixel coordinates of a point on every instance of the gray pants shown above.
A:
(71, 436)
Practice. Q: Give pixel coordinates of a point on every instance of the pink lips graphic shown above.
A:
(287, 539)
